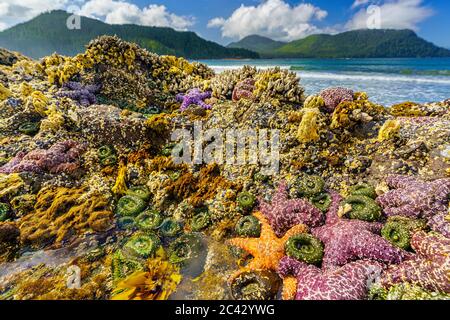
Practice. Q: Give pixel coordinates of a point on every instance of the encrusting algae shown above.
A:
(89, 184)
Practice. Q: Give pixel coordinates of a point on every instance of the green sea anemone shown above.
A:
(246, 200)
(121, 267)
(106, 152)
(201, 220)
(107, 156)
(322, 201)
(363, 189)
(4, 212)
(142, 245)
(170, 228)
(185, 249)
(309, 186)
(248, 226)
(30, 128)
(399, 230)
(130, 206)
(126, 223)
(363, 208)
(109, 161)
(306, 248)
(140, 192)
(255, 285)
(149, 220)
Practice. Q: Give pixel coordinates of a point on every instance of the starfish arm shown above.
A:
(440, 223)
(404, 211)
(250, 245)
(432, 246)
(394, 198)
(289, 288)
(401, 182)
(265, 225)
(369, 246)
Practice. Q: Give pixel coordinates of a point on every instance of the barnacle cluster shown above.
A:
(92, 187)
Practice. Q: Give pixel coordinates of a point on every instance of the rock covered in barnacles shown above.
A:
(414, 198)
(279, 84)
(430, 268)
(61, 157)
(284, 213)
(107, 125)
(334, 96)
(223, 84)
(349, 282)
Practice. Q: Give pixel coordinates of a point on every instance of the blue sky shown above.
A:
(224, 21)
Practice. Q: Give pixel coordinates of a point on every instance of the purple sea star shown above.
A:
(414, 198)
(429, 269)
(284, 213)
(244, 89)
(350, 282)
(61, 157)
(349, 240)
(334, 96)
(194, 97)
(85, 95)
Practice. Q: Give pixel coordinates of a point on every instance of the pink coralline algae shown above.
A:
(85, 95)
(349, 240)
(244, 90)
(429, 269)
(194, 97)
(349, 282)
(418, 199)
(334, 96)
(284, 213)
(61, 157)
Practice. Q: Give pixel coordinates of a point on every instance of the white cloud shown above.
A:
(13, 12)
(359, 3)
(121, 12)
(394, 14)
(272, 18)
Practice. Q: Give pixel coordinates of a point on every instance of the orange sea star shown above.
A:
(268, 249)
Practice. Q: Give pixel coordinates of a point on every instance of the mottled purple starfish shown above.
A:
(414, 198)
(348, 240)
(61, 157)
(284, 213)
(85, 95)
(350, 282)
(429, 269)
(334, 96)
(194, 97)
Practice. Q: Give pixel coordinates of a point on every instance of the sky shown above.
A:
(225, 21)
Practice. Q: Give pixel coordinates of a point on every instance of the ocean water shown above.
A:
(387, 81)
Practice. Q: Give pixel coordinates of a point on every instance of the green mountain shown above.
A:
(48, 33)
(358, 44)
(258, 44)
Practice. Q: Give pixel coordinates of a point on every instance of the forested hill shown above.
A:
(354, 44)
(47, 33)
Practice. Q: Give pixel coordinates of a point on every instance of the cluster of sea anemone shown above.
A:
(90, 180)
